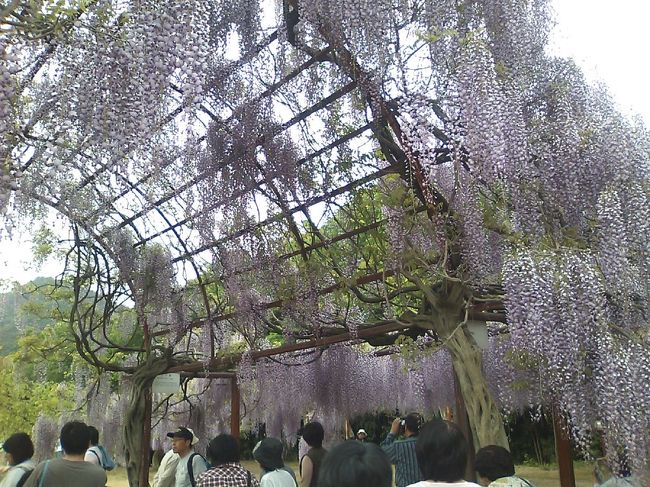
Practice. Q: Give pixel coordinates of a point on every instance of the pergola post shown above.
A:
(563, 451)
(234, 408)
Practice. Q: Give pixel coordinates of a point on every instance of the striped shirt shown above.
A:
(402, 454)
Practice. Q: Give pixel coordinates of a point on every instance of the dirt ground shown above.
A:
(539, 476)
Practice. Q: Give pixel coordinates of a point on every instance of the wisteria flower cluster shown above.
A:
(340, 383)
(230, 132)
(9, 173)
(558, 311)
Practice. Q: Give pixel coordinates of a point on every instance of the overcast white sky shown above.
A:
(609, 40)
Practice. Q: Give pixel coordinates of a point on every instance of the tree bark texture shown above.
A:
(484, 415)
(447, 306)
(135, 417)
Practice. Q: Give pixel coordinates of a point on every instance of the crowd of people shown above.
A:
(433, 454)
(81, 465)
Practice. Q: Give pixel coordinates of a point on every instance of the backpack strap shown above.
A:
(190, 467)
(98, 458)
(26, 474)
(108, 462)
(523, 479)
(42, 479)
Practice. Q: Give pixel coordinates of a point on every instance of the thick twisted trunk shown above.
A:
(446, 304)
(136, 416)
(484, 416)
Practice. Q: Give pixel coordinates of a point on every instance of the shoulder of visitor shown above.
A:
(29, 463)
(512, 481)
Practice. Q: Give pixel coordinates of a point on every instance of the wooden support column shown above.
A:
(563, 451)
(146, 440)
(463, 422)
(234, 408)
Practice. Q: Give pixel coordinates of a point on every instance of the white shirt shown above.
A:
(93, 454)
(182, 478)
(167, 470)
(15, 473)
(430, 483)
(277, 478)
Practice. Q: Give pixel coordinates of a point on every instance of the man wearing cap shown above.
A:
(362, 435)
(183, 441)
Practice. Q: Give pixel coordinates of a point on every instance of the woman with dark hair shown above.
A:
(313, 434)
(268, 454)
(356, 464)
(19, 450)
(441, 450)
(223, 454)
(495, 467)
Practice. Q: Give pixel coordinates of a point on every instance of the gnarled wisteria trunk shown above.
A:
(484, 416)
(446, 305)
(136, 416)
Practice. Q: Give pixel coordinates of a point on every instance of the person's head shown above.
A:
(313, 434)
(183, 440)
(18, 448)
(412, 424)
(75, 438)
(94, 435)
(223, 449)
(362, 435)
(268, 454)
(441, 451)
(493, 462)
(356, 464)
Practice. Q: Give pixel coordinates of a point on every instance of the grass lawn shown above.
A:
(539, 476)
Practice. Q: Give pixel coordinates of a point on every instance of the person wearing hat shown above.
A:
(19, 450)
(362, 435)
(189, 464)
(268, 454)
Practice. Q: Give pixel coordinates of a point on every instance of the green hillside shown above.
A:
(26, 306)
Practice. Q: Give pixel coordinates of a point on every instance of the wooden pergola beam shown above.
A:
(219, 364)
(281, 216)
(269, 91)
(253, 186)
(258, 142)
(475, 314)
(169, 117)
